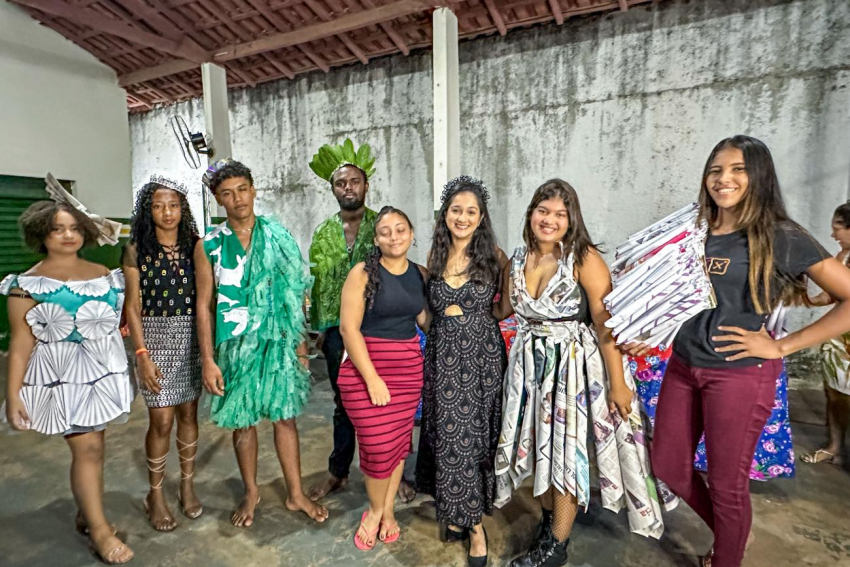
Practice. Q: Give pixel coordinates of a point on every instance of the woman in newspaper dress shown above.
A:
(565, 376)
(68, 372)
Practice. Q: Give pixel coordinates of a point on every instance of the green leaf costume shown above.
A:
(330, 264)
(259, 324)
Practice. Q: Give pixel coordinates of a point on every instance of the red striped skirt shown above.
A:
(384, 432)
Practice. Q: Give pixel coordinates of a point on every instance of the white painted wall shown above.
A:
(61, 110)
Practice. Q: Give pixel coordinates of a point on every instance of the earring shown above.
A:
(414, 242)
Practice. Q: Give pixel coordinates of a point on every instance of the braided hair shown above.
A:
(143, 229)
(373, 259)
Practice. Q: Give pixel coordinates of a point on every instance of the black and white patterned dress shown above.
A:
(168, 320)
(462, 403)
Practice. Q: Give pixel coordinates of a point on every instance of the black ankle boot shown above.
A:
(548, 552)
(544, 526)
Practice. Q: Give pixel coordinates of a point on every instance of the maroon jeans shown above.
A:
(731, 405)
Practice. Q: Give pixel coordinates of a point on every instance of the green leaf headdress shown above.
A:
(330, 158)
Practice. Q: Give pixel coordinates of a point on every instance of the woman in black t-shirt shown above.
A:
(721, 377)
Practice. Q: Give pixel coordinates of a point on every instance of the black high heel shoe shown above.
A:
(482, 560)
(448, 535)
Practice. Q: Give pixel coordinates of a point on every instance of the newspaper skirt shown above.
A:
(555, 390)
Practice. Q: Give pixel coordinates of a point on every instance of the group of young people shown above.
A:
(229, 311)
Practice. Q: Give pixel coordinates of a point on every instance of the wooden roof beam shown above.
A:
(306, 34)
(314, 57)
(496, 16)
(288, 39)
(121, 29)
(389, 30)
(343, 37)
(555, 6)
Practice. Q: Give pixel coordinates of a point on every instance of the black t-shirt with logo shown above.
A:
(727, 259)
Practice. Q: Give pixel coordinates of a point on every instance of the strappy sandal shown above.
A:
(388, 527)
(109, 558)
(821, 456)
(167, 523)
(361, 544)
(195, 512)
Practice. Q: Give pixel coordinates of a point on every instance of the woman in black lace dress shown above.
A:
(464, 365)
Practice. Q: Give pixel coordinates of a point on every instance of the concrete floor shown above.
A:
(797, 522)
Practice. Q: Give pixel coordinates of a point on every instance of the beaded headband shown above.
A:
(170, 184)
(450, 188)
(212, 170)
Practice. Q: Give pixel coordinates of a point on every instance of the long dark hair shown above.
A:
(373, 259)
(576, 240)
(762, 213)
(143, 229)
(842, 214)
(483, 259)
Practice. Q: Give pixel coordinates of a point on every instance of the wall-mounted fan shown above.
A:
(192, 145)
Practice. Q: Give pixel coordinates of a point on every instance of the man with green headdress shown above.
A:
(338, 244)
(251, 283)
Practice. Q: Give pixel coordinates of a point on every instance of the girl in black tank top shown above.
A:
(380, 380)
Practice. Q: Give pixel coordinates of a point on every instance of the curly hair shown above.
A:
(143, 229)
(483, 264)
(577, 239)
(373, 259)
(228, 171)
(39, 219)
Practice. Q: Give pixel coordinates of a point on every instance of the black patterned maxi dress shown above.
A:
(462, 402)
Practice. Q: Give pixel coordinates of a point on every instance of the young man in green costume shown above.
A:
(251, 282)
(340, 242)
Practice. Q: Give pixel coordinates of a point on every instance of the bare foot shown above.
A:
(389, 526)
(191, 506)
(82, 526)
(326, 486)
(750, 539)
(406, 493)
(300, 502)
(109, 548)
(159, 516)
(243, 516)
(368, 527)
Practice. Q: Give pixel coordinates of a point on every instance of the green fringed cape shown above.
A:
(259, 324)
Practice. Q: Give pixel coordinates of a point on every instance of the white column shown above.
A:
(216, 124)
(446, 101)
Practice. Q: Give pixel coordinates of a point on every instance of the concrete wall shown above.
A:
(626, 107)
(61, 111)
(276, 128)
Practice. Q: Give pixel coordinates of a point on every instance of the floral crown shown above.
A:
(170, 184)
(329, 159)
(450, 188)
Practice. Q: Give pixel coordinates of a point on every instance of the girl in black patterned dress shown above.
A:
(160, 307)
(464, 364)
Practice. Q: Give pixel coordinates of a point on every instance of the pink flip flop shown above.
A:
(393, 537)
(359, 543)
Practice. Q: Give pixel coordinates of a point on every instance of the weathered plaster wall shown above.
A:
(276, 129)
(626, 107)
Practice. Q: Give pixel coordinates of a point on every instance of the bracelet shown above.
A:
(141, 351)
